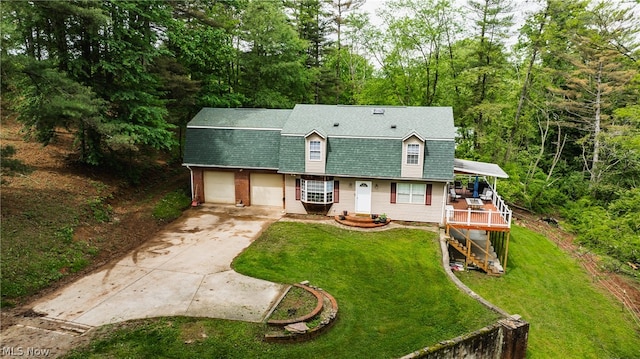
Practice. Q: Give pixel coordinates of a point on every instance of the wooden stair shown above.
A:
(473, 259)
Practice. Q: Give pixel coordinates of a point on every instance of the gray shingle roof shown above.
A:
(438, 159)
(360, 121)
(236, 148)
(362, 144)
(365, 157)
(240, 118)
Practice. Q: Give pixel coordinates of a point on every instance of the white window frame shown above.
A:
(312, 191)
(413, 154)
(315, 154)
(412, 193)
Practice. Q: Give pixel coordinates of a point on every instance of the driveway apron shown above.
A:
(186, 271)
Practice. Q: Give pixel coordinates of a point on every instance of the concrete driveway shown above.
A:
(186, 271)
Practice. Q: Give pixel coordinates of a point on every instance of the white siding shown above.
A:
(219, 187)
(290, 203)
(380, 201)
(412, 171)
(314, 166)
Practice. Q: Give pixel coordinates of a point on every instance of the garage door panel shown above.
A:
(219, 187)
(266, 189)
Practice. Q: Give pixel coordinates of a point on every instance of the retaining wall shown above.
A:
(506, 339)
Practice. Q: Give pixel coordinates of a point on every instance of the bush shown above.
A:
(171, 206)
(613, 230)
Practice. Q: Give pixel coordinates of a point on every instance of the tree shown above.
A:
(201, 36)
(492, 20)
(312, 21)
(272, 71)
(597, 82)
(101, 52)
(341, 9)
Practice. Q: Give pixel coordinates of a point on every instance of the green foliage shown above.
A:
(100, 210)
(50, 99)
(551, 291)
(171, 206)
(38, 248)
(274, 73)
(613, 229)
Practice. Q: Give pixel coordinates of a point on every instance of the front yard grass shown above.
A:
(393, 294)
(569, 316)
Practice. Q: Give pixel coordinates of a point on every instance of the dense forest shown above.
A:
(552, 96)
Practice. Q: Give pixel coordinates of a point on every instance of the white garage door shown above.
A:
(266, 189)
(219, 187)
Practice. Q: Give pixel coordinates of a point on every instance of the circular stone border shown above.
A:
(326, 311)
(305, 317)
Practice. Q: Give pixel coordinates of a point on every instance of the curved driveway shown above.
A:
(186, 271)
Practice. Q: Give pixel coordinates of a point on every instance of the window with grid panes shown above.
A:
(316, 191)
(411, 193)
(413, 153)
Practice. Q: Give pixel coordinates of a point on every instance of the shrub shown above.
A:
(171, 206)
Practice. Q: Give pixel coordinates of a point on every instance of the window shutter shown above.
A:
(336, 191)
(427, 197)
(297, 189)
(393, 192)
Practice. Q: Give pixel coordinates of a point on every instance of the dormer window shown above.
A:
(413, 153)
(315, 151)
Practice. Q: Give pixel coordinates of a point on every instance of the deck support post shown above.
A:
(506, 251)
(486, 252)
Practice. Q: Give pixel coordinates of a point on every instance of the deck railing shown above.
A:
(499, 218)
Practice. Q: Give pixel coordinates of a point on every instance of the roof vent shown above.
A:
(393, 126)
(336, 124)
(378, 111)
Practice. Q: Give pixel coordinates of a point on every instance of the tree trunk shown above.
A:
(525, 87)
(595, 176)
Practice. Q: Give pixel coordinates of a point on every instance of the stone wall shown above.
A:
(506, 339)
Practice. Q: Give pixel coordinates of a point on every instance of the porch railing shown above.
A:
(499, 218)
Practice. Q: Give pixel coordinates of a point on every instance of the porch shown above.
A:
(477, 219)
(490, 212)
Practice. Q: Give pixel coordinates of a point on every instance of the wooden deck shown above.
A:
(492, 215)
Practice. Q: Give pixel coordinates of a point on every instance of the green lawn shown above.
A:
(393, 296)
(569, 317)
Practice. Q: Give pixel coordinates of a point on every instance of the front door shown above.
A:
(363, 197)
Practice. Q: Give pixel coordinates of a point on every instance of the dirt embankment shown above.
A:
(56, 178)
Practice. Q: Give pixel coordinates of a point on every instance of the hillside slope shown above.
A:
(61, 220)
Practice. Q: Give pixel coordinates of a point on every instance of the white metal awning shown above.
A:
(478, 168)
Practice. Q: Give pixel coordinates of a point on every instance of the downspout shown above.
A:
(191, 180)
(444, 203)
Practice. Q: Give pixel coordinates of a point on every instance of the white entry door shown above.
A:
(363, 197)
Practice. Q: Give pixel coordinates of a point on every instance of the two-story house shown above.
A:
(325, 158)
(361, 159)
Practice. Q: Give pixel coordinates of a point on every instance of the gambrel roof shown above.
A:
(362, 141)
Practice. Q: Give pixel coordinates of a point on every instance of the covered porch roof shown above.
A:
(478, 168)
